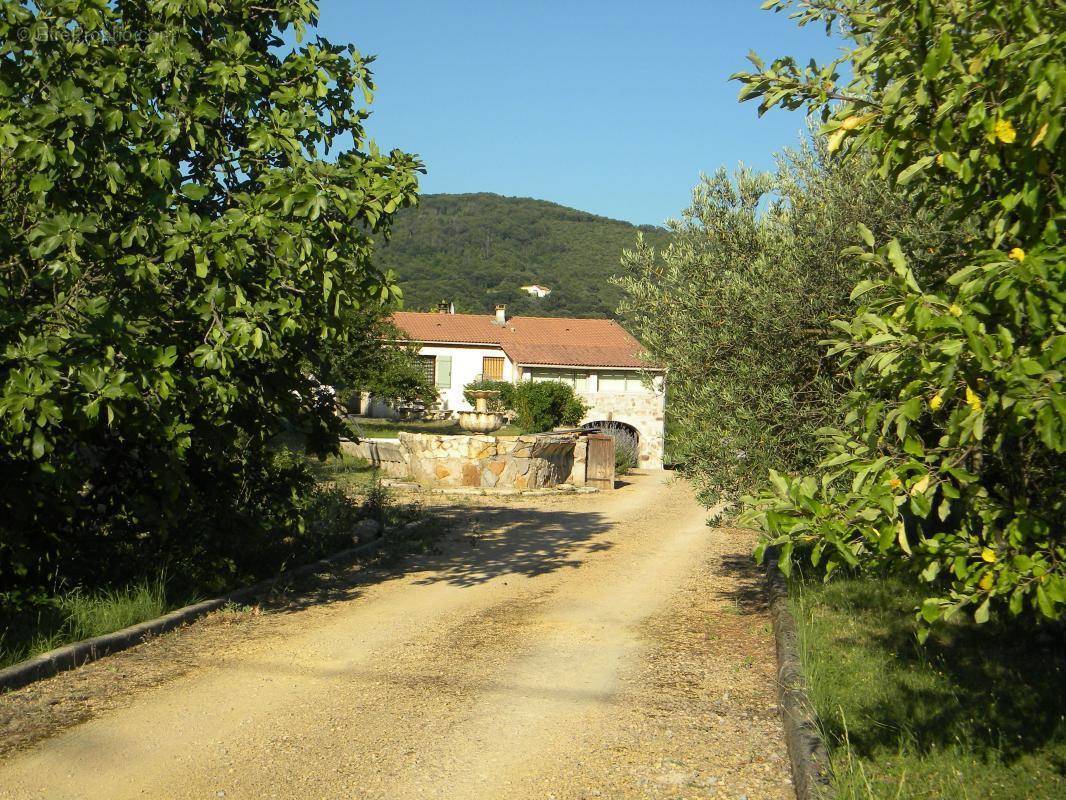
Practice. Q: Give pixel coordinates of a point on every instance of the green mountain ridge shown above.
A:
(478, 250)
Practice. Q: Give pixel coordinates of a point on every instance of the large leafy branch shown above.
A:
(951, 461)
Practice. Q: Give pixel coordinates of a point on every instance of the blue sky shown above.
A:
(609, 107)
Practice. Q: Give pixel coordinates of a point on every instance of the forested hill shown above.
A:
(477, 250)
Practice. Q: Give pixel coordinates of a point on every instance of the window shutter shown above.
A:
(444, 372)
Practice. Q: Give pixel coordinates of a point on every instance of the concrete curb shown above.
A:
(75, 655)
(806, 750)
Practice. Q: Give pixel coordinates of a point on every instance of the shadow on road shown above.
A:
(496, 541)
(476, 545)
(402, 677)
(749, 594)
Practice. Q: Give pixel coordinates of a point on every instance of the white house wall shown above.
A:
(466, 367)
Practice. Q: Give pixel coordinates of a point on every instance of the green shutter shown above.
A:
(444, 372)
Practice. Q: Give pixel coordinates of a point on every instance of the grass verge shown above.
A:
(976, 713)
(346, 472)
(348, 491)
(78, 615)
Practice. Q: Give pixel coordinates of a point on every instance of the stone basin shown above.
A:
(480, 421)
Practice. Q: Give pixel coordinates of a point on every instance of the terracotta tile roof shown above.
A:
(531, 340)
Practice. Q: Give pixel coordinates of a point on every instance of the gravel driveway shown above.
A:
(607, 645)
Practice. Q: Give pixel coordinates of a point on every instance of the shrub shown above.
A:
(288, 518)
(543, 405)
(505, 401)
(259, 543)
(626, 450)
(377, 501)
(626, 445)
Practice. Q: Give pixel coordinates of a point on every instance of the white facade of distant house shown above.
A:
(452, 366)
(537, 290)
(612, 394)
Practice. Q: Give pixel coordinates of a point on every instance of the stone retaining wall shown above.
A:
(385, 454)
(511, 462)
(491, 462)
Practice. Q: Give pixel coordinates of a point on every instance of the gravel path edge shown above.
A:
(74, 655)
(806, 750)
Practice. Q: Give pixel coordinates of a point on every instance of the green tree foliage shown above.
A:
(175, 249)
(738, 304)
(950, 462)
(478, 250)
(543, 405)
(373, 357)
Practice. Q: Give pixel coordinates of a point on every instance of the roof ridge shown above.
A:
(516, 316)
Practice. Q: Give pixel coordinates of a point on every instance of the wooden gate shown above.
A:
(599, 467)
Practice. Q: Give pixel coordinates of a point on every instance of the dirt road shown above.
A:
(607, 645)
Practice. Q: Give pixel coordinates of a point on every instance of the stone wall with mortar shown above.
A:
(645, 411)
(504, 462)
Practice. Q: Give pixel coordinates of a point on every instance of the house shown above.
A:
(537, 290)
(597, 357)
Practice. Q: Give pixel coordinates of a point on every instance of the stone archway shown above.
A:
(626, 440)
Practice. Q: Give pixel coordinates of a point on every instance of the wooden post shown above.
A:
(600, 461)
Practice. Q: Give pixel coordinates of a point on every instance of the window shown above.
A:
(492, 368)
(619, 382)
(444, 372)
(438, 370)
(579, 380)
(429, 368)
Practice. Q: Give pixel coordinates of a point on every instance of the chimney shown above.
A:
(501, 315)
(444, 307)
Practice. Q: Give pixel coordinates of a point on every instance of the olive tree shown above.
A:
(738, 303)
